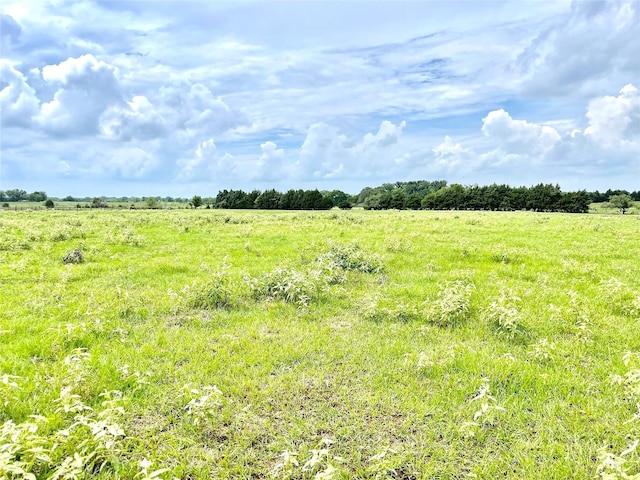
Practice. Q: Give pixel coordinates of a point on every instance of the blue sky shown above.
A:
(182, 98)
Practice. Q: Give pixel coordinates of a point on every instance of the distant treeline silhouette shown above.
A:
(414, 195)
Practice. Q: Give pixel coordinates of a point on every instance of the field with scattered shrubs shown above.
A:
(199, 344)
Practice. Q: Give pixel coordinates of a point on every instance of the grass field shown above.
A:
(209, 344)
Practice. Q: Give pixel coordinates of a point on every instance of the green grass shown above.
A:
(345, 344)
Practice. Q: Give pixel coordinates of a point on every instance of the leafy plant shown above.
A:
(212, 294)
(452, 305)
(506, 316)
(285, 284)
(351, 258)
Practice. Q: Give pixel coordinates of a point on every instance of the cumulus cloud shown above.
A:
(129, 163)
(615, 121)
(209, 113)
(450, 154)
(612, 138)
(206, 163)
(594, 44)
(18, 101)
(327, 153)
(87, 87)
(518, 136)
(271, 165)
(138, 119)
(10, 30)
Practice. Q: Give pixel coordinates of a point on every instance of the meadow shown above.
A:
(198, 344)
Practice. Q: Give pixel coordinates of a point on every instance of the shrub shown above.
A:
(49, 203)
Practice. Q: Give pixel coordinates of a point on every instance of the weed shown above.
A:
(212, 294)
(624, 466)
(484, 416)
(351, 258)
(285, 284)
(506, 316)
(543, 351)
(452, 305)
(203, 403)
(74, 256)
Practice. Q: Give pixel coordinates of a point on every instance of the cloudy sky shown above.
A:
(182, 98)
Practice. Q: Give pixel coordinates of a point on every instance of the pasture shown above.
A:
(197, 344)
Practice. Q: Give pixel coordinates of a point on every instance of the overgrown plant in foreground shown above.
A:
(625, 465)
(505, 316)
(214, 292)
(351, 258)
(452, 306)
(286, 284)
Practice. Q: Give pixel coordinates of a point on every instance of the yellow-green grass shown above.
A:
(483, 344)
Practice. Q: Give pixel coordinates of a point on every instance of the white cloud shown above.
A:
(18, 101)
(518, 136)
(449, 154)
(326, 153)
(87, 88)
(593, 47)
(271, 165)
(206, 164)
(209, 113)
(615, 120)
(139, 119)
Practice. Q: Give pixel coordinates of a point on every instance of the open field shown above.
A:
(301, 345)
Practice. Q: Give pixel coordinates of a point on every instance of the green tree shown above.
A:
(268, 200)
(37, 197)
(621, 201)
(196, 201)
(49, 203)
(152, 202)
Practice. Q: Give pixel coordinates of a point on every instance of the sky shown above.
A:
(146, 98)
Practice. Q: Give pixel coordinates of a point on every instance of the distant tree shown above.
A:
(69, 198)
(338, 197)
(346, 205)
(15, 195)
(377, 201)
(398, 199)
(312, 200)
(621, 201)
(196, 201)
(37, 197)
(49, 203)
(98, 203)
(152, 202)
(268, 200)
(3, 197)
(413, 201)
(364, 194)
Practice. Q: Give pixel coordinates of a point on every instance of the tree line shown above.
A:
(414, 195)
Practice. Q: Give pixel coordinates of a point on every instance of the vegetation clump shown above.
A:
(74, 256)
(452, 305)
(286, 284)
(351, 258)
(215, 293)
